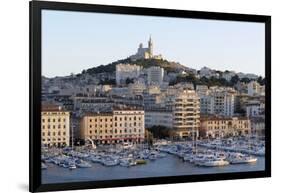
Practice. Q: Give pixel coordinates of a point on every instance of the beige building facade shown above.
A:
(186, 113)
(223, 126)
(115, 127)
(55, 126)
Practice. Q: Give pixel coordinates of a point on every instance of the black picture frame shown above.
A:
(35, 9)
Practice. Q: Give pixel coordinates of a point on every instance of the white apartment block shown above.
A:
(223, 102)
(255, 89)
(255, 109)
(206, 104)
(228, 75)
(207, 72)
(126, 71)
(202, 90)
(219, 101)
(184, 115)
(155, 75)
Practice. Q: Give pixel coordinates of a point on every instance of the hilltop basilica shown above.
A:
(145, 53)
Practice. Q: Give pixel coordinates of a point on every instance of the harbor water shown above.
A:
(167, 166)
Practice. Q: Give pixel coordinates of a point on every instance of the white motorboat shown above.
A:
(213, 162)
(197, 158)
(109, 162)
(238, 158)
(43, 166)
(72, 166)
(127, 145)
(83, 164)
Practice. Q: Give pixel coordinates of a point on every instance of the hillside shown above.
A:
(145, 63)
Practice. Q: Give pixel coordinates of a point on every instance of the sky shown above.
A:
(73, 41)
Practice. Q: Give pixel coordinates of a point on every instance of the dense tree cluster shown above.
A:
(161, 132)
(213, 81)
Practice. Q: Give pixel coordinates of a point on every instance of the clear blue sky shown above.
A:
(73, 41)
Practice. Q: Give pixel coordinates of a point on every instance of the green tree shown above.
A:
(129, 80)
(234, 80)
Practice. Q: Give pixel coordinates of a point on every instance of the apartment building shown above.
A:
(216, 126)
(186, 113)
(120, 125)
(55, 126)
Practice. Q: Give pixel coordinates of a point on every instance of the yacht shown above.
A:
(110, 162)
(72, 166)
(43, 166)
(239, 158)
(213, 162)
(83, 164)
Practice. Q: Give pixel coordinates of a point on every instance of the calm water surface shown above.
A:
(168, 166)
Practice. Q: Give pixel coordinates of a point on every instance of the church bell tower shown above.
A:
(150, 47)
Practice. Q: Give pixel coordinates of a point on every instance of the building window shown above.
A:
(54, 120)
(43, 120)
(54, 126)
